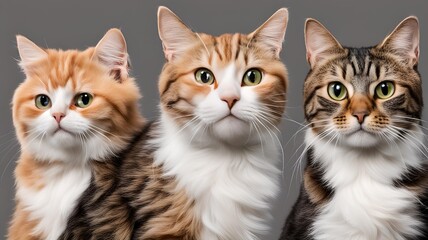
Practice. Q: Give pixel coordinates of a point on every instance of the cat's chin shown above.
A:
(63, 138)
(231, 130)
(361, 139)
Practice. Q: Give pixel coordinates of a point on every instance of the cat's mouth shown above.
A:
(62, 130)
(229, 117)
(360, 131)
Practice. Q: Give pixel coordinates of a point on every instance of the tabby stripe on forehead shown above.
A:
(354, 69)
(238, 48)
(369, 67)
(217, 50)
(377, 71)
(357, 64)
(343, 69)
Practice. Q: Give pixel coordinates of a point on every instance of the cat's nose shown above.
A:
(58, 116)
(230, 101)
(360, 115)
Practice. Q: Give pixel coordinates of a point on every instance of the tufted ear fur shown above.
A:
(29, 53)
(272, 32)
(320, 43)
(111, 52)
(175, 35)
(404, 41)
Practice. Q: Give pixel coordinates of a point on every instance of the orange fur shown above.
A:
(114, 111)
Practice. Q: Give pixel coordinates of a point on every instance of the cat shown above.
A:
(366, 175)
(74, 107)
(208, 168)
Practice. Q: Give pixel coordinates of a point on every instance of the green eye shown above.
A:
(252, 77)
(83, 100)
(337, 91)
(43, 101)
(204, 76)
(385, 89)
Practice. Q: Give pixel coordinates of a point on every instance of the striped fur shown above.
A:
(363, 185)
(53, 169)
(207, 168)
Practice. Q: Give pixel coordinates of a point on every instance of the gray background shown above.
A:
(80, 24)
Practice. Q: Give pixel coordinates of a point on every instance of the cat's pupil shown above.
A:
(384, 88)
(205, 76)
(44, 100)
(85, 98)
(251, 76)
(337, 89)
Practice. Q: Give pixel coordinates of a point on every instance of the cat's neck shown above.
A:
(385, 163)
(365, 190)
(232, 187)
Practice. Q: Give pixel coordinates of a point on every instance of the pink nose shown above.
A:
(58, 116)
(230, 101)
(360, 116)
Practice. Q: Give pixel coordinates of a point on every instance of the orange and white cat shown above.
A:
(73, 107)
(208, 168)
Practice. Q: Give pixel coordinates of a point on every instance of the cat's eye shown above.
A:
(83, 100)
(43, 101)
(252, 77)
(337, 91)
(204, 76)
(385, 89)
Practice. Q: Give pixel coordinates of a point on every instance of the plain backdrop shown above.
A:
(81, 23)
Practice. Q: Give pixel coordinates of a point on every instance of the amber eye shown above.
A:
(83, 100)
(385, 89)
(252, 77)
(337, 91)
(204, 76)
(43, 101)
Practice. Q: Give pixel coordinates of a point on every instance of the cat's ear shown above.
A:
(272, 32)
(320, 43)
(111, 52)
(176, 37)
(404, 41)
(29, 52)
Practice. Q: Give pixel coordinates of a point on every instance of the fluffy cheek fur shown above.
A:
(380, 126)
(87, 133)
(253, 114)
(215, 113)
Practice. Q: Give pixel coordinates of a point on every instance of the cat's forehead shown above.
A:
(61, 69)
(360, 68)
(226, 48)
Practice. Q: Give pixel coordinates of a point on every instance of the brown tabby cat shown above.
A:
(208, 168)
(367, 173)
(74, 107)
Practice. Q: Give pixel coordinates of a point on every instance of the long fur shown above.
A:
(54, 167)
(366, 172)
(207, 169)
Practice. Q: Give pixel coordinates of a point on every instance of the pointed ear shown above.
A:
(112, 53)
(175, 35)
(404, 41)
(272, 32)
(320, 43)
(29, 52)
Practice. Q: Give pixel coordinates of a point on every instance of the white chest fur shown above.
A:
(52, 205)
(232, 188)
(366, 205)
